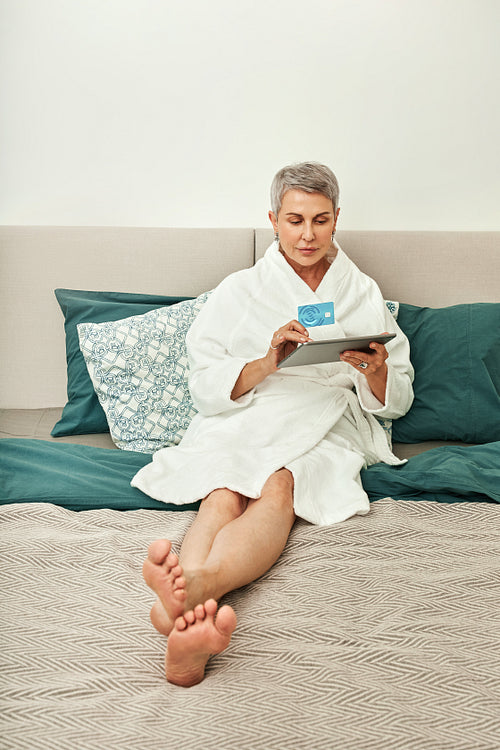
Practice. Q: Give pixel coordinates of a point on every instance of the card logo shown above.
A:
(316, 315)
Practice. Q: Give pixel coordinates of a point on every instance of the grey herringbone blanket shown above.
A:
(378, 633)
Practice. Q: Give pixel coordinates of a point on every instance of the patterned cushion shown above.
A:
(393, 307)
(83, 413)
(138, 367)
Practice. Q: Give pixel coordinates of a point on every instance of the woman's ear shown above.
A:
(274, 221)
(336, 219)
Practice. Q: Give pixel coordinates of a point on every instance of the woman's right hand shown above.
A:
(285, 340)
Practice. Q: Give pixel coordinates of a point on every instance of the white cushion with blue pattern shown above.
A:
(138, 367)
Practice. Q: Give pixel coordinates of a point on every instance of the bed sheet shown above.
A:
(81, 477)
(378, 632)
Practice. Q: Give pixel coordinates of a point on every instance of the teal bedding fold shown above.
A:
(450, 474)
(77, 477)
(80, 477)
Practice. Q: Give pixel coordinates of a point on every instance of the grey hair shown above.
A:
(309, 176)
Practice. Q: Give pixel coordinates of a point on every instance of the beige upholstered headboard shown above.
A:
(423, 268)
(429, 269)
(36, 260)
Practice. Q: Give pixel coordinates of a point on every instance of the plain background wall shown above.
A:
(173, 113)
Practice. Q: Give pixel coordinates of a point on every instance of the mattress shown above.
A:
(381, 632)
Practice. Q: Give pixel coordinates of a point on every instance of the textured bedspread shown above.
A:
(381, 632)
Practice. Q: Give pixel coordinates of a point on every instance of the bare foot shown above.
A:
(196, 636)
(162, 573)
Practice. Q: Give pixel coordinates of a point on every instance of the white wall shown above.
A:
(175, 113)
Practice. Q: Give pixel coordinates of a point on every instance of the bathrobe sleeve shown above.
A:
(214, 366)
(400, 374)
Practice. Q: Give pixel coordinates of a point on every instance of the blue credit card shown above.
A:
(320, 314)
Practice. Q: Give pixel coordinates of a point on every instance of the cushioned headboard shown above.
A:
(423, 268)
(431, 269)
(36, 260)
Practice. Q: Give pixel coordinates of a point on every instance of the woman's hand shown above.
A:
(284, 341)
(366, 363)
(373, 366)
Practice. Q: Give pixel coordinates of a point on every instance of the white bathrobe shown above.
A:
(317, 421)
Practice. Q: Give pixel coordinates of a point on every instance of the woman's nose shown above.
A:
(307, 231)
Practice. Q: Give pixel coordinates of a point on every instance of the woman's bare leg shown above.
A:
(228, 546)
(245, 548)
(219, 509)
(218, 557)
(161, 569)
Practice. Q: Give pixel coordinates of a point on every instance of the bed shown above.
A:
(380, 632)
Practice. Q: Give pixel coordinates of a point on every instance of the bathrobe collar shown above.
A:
(339, 267)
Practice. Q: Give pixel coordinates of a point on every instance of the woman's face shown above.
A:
(305, 223)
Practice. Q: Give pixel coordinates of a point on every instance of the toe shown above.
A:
(199, 612)
(172, 560)
(211, 607)
(226, 620)
(189, 616)
(158, 551)
(180, 623)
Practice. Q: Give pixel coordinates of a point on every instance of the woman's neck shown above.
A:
(311, 275)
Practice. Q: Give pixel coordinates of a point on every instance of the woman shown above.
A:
(271, 444)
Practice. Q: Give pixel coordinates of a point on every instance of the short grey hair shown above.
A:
(309, 176)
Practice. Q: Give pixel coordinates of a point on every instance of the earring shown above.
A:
(333, 235)
(276, 237)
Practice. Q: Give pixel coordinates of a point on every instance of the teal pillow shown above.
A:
(76, 477)
(83, 414)
(456, 355)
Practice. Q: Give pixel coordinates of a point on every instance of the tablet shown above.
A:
(329, 350)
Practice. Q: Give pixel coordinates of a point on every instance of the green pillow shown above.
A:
(83, 413)
(456, 355)
(76, 477)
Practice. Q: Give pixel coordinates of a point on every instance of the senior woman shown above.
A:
(271, 444)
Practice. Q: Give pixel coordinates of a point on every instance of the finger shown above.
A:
(380, 350)
(278, 337)
(363, 365)
(362, 362)
(356, 355)
(296, 326)
(288, 336)
(296, 336)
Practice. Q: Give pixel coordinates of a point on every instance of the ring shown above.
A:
(275, 347)
(363, 365)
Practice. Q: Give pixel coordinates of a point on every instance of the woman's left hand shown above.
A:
(367, 364)
(371, 365)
